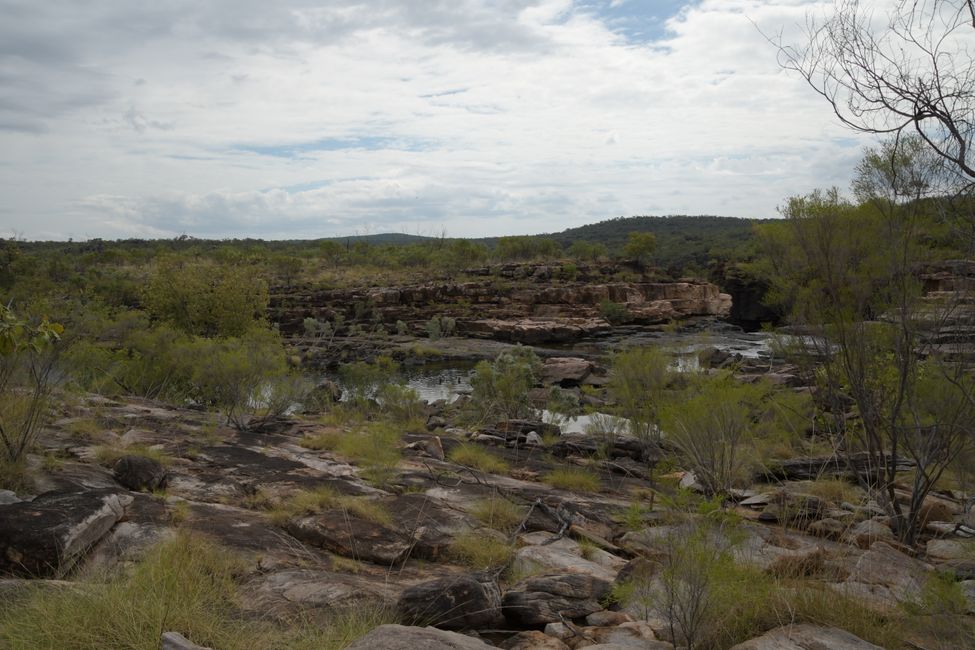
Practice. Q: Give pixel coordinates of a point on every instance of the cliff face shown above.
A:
(538, 305)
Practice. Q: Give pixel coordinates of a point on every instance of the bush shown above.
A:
(500, 390)
(614, 312)
(362, 380)
(28, 353)
(207, 298)
(638, 384)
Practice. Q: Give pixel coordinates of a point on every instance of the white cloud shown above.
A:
(308, 119)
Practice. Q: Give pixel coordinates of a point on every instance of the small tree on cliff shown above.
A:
(640, 247)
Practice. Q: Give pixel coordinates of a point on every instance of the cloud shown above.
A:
(310, 118)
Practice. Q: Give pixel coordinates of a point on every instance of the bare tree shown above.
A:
(913, 71)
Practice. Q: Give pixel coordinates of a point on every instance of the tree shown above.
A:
(640, 246)
(849, 274)
(915, 74)
(637, 383)
(27, 362)
(205, 298)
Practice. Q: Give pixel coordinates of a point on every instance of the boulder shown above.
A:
(888, 575)
(402, 637)
(806, 637)
(546, 599)
(563, 556)
(139, 473)
(351, 536)
(46, 536)
(7, 497)
(951, 549)
(453, 603)
(176, 641)
(791, 508)
(533, 640)
(865, 533)
(566, 371)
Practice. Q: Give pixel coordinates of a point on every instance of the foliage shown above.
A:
(865, 308)
(28, 353)
(500, 390)
(640, 246)
(637, 383)
(207, 298)
(526, 248)
(362, 380)
(614, 312)
(588, 251)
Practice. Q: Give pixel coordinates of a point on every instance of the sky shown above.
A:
(465, 118)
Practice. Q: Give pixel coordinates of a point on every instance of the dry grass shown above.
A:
(481, 552)
(309, 502)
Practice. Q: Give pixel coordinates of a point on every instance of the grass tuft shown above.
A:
(481, 552)
(471, 455)
(573, 478)
(498, 513)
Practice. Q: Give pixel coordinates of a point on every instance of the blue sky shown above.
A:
(313, 118)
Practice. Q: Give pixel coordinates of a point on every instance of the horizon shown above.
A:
(306, 120)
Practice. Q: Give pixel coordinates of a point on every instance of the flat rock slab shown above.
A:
(806, 637)
(46, 536)
(402, 637)
(350, 536)
(300, 592)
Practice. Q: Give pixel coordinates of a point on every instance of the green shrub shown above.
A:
(471, 455)
(500, 390)
(363, 380)
(614, 312)
(207, 298)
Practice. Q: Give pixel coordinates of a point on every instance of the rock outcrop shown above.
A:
(402, 637)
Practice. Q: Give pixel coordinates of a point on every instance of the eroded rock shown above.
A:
(546, 599)
(402, 637)
(454, 603)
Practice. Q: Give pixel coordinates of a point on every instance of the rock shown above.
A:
(532, 331)
(566, 371)
(402, 637)
(7, 497)
(791, 508)
(436, 422)
(532, 439)
(46, 536)
(961, 569)
(950, 549)
(533, 640)
(351, 536)
(814, 468)
(545, 599)
(865, 533)
(606, 617)
(292, 593)
(564, 556)
(633, 634)
(899, 577)
(806, 637)
(139, 473)
(829, 528)
(453, 603)
(968, 591)
(176, 641)
(651, 542)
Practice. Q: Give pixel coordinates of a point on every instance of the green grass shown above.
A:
(471, 455)
(376, 447)
(324, 441)
(481, 552)
(574, 479)
(309, 502)
(108, 455)
(498, 513)
(186, 585)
